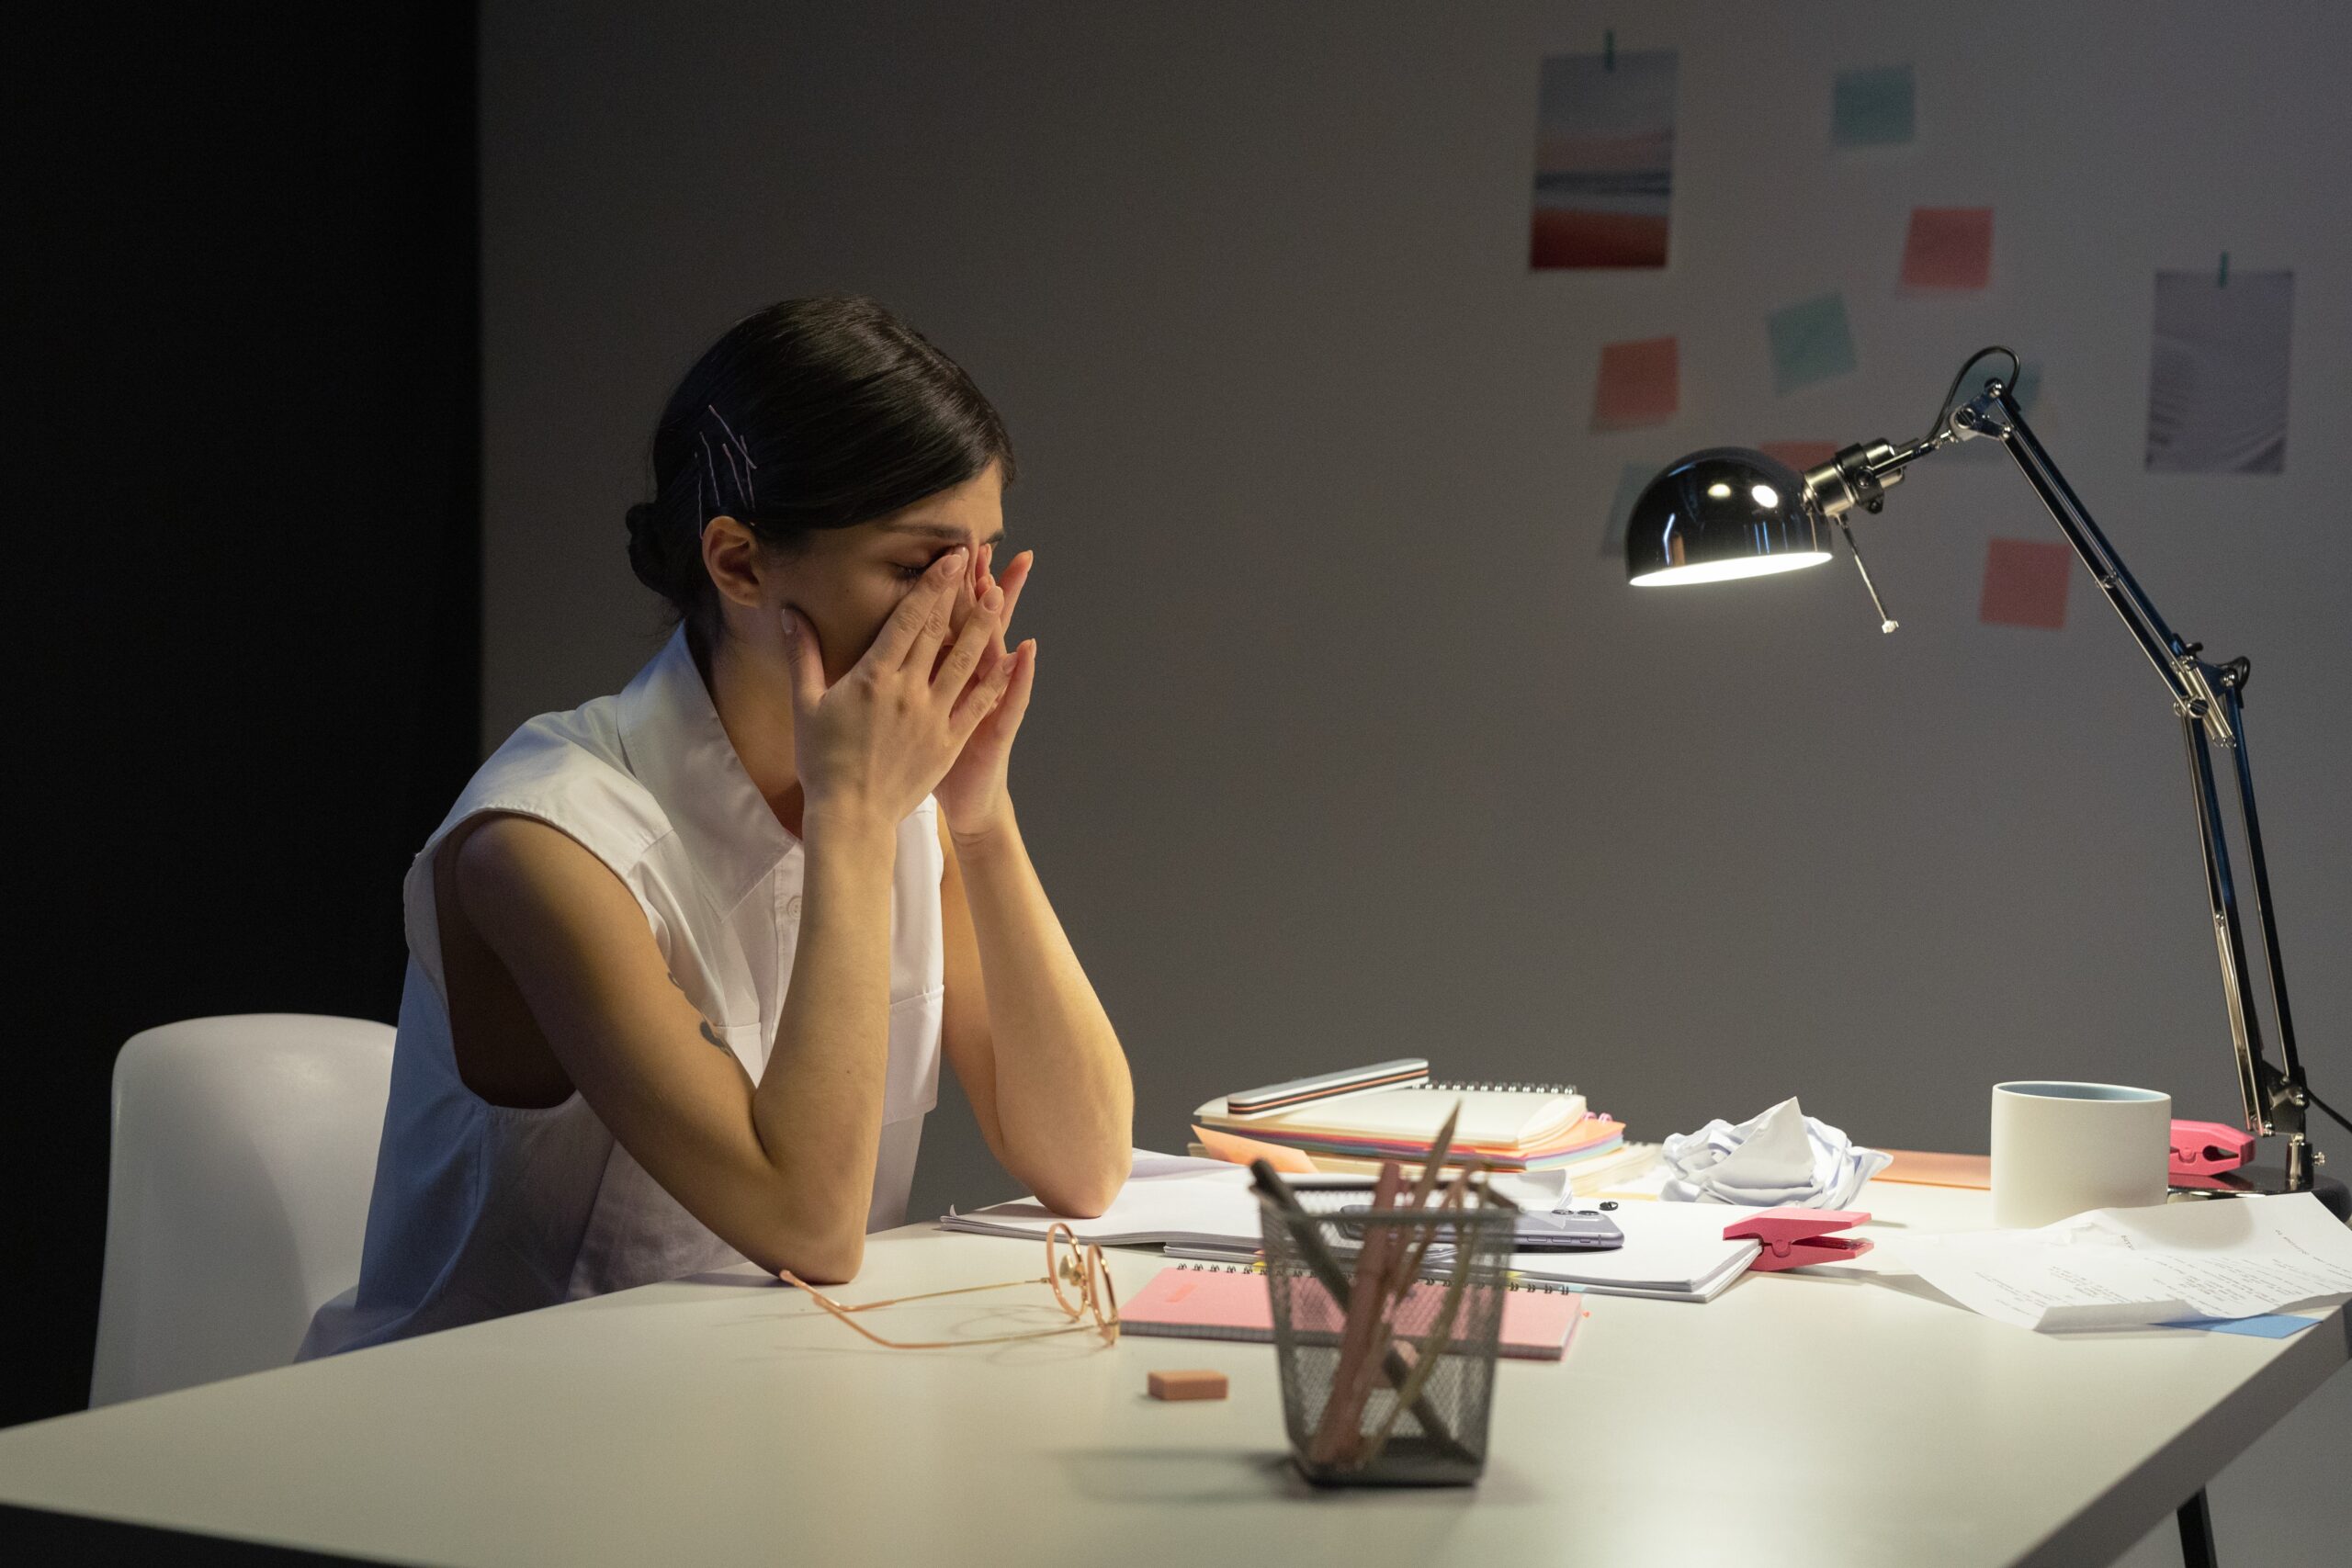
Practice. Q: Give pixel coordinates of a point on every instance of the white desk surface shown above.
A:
(1827, 1417)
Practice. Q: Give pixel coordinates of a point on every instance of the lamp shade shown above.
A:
(1723, 512)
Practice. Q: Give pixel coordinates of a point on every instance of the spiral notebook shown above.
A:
(1209, 1300)
(1520, 1126)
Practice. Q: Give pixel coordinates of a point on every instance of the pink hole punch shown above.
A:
(1794, 1238)
(2208, 1148)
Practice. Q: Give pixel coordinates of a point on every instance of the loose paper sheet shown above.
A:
(2134, 1268)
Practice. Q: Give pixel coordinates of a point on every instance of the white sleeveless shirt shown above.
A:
(480, 1210)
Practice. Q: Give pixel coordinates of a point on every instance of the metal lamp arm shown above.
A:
(2207, 698)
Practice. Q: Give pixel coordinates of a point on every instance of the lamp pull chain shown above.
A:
(1886, 623)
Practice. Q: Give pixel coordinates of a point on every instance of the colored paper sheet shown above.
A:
(1873, 107)
(1604, 160)
(2025, 583)
(2217, 394)
(1639, 384)
(1800, 455)
(1811, 343)
(1949, 247)
(1234, 1147)
(1632, 480)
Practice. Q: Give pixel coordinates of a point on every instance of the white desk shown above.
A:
(1824, 1418)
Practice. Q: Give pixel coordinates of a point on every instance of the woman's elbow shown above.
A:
(816, 1255)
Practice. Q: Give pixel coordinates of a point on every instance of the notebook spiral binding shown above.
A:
(1471, 1086)
(1544, 1287)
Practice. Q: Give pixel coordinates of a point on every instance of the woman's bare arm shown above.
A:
(783, 1172)
(1026, 1034)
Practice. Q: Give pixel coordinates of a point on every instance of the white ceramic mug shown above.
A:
(2060, 1148)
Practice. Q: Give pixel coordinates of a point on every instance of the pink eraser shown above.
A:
(1186, 1385)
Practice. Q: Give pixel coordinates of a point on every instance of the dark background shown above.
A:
(243, 587)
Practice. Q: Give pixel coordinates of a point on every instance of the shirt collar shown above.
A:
(676, 747)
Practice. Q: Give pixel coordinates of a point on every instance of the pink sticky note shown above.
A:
(2025, 583)
(1638, 385)
(1949, 247)
(1801, 455)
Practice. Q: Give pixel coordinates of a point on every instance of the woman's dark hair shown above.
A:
(822, 413)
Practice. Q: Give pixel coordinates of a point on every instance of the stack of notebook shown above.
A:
(1202, 1300)
(1350, 1121)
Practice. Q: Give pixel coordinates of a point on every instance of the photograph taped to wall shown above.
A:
(2217, 383)
(1604, 160)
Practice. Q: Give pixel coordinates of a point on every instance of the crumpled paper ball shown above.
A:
(1780, 1158)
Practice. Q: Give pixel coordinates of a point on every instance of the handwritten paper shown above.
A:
(1639, 384)
(2217, 394)
(1873, 108)
(1949, 247)
(1811, 343)
(2025, 583)
(2236, 1257)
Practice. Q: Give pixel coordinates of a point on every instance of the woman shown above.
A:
(683, 961)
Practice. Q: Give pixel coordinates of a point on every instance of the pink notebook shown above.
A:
(1207, 1300)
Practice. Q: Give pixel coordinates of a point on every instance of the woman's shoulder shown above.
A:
(568, 769)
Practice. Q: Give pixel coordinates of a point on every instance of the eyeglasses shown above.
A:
(1077, 1275)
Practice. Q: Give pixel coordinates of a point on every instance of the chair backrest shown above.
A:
(244, 1150)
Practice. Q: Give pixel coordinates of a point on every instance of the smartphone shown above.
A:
(1576, 1232)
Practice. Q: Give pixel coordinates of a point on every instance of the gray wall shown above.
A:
(1347, 742)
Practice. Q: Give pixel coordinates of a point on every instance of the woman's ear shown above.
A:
(732, 554)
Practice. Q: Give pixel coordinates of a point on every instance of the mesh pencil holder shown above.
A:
(1403, 1399)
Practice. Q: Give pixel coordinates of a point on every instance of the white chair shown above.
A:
(244, 1150)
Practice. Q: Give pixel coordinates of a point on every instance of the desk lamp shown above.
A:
(1729, 513)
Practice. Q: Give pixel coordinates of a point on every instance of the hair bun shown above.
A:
(646, 556)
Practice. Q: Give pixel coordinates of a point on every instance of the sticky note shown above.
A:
(1949, 247)
(1873, 108)
(1186, 1385)
(1632, 480)
(2025, 583)
(1810, 343)
(1800, 455)
(2266, 1326)
(1639, 384)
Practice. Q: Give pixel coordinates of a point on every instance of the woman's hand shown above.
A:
(972, 791)
(879, 740)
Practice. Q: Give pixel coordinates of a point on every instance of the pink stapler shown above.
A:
(2207, 1148)
(1794, 1238)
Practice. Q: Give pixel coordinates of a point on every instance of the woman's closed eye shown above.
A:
(909, 573)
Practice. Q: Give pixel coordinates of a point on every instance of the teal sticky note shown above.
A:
(1632, 480)
(2268, 1326)
(1810, 343)
(2028, 386)
(1873, 108)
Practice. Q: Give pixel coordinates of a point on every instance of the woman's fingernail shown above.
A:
(993, 598)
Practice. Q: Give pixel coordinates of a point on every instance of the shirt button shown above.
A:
(792, 907)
